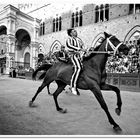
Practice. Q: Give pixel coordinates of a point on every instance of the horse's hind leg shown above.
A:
(38, 91)
(48, 85)
(117, 91)
(96, 90)
(59, 89)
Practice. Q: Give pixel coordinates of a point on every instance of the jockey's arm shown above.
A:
(61, 58)
(69, 45)
(83, 50)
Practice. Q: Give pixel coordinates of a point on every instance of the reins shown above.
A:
(106, 48)
(102, 52)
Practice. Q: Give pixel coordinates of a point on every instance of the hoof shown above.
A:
(31, 104)
(63, 111)
(50, 94)
(118, 111)
(117, 129)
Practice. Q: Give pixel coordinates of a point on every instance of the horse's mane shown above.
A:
(93, 54)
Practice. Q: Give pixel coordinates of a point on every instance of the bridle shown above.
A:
(113, 47)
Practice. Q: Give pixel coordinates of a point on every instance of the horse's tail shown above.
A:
(44, 67)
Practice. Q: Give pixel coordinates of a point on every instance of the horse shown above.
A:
(92, 76)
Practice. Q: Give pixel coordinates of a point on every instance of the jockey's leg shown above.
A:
(77, 69)
(78, 66)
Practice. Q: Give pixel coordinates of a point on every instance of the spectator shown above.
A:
(14, 73)
(11, 72)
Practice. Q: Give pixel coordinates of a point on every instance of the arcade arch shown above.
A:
(133, 36)
(3, 30)
(55, 46)
(3, 48)
(41, 53)
(27, 60)
(97, 40)
(23, 41)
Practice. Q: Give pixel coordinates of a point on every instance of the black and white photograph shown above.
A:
(69, 68)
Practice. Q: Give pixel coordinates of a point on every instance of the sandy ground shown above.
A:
(84, 116)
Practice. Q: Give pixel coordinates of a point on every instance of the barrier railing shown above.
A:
(127, 81)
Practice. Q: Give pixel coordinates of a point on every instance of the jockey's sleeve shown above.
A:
(70, 45)
(82, 43)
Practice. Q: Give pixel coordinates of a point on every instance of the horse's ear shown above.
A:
(106, 34)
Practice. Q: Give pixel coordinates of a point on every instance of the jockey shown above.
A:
(75, 47)
(62, 54)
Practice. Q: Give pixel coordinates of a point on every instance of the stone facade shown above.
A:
(14, 20)
(123, 22)
(120, 23)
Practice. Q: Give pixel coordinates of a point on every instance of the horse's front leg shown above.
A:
(117, 91)
(59, 89)
(94, 87)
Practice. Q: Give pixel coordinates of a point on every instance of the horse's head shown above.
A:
(113, 44)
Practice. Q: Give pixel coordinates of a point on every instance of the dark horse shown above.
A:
(92, 77)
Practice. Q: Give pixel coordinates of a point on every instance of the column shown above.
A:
(10, 54)
(33, 54)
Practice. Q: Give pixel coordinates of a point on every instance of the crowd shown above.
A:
(115, 64)
(126, 64)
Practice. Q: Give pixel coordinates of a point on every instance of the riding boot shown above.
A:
(73, 90)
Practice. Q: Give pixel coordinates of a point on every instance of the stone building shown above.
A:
(24, 38)
(18, 38)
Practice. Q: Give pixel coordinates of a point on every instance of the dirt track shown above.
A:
(84, 117)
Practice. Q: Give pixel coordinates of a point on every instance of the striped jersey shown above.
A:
(74, 43)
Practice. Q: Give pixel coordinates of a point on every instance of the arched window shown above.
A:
(134, 8)
(72, 24)
(77, 19)
(53, 25)
(3, 30)
(60, 23)
(102, 13)
(97, 14)
(27, 60)
(43, 32)
(81, 18)
(131, 8)
(42, 29)
(57, 24)
(137, 8)
(107, 12)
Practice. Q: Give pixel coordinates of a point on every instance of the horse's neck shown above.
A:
(100, 58)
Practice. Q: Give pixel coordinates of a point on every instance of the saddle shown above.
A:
(66, 60)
